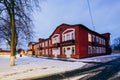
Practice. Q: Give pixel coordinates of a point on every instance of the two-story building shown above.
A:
(72, 41)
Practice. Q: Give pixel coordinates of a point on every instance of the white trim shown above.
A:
(46, 43)
(65, 36)
(58, 38)
(67, 30)
(90, 50)
(67, 50)
(56, 51)
(55, 35)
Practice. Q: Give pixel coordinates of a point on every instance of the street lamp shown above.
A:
(6, 43)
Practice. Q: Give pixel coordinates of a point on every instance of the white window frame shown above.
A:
(70, 37)
(93, 38)
(46, 43)
(56, 39)
(46, 51)
(43, 51)
(43, 44)
(100, 41)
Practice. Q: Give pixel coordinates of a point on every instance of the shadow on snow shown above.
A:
(109, 69)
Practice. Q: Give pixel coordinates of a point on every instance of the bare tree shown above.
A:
(16, 23)
(116, 43)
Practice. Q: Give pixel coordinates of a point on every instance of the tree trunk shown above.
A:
(13, 36)
(12, 60)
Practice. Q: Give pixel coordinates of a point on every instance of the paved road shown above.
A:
(91, 71)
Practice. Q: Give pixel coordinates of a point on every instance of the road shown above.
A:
(91, 71)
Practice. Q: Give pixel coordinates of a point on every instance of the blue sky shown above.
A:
(106, 16)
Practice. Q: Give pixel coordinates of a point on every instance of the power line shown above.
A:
(91, 15)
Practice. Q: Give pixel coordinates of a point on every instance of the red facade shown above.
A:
(72, 41)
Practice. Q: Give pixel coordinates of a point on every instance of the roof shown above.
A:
(80, 26)
(4, 50)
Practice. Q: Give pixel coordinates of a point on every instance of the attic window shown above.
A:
(60, 29)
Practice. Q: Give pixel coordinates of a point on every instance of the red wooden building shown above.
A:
(72, 41)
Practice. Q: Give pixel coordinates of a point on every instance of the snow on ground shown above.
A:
(31, 67)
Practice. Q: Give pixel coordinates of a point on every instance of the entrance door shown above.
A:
(68, 50)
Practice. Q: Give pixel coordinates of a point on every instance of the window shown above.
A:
(94, 50)
(89, 49)
(40, 45)
(68, 36)
(89, 37)
(46, 43)
(93, 38)
(104, 50)
(72, 35)
(100, 40)
(37, 46)
(43, 44)
(42, 51)
(73, 50)
(103, 41)
(46, 51)
(55, 38)
(49, 51)
(64, 38)
(30, 47)
(97, 39)
(64, 50)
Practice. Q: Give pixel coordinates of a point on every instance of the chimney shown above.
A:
(40, 39)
